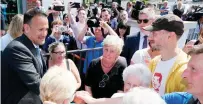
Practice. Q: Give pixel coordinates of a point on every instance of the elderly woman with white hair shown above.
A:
(134, 76)
(104, 75)
(57, 86)
(142, 95)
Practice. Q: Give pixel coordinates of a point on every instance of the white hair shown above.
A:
(165, 2)
(141, 95)
(140, 71)
(57, 85)
(149, 12)
(115, 41)
(115, 3)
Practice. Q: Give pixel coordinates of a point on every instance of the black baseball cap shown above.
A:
(170, 22)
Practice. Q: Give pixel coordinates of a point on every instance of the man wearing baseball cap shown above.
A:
(169, 66)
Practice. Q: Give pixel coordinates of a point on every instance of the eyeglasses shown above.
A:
(139, 21)
(60, 52)
(102, 83)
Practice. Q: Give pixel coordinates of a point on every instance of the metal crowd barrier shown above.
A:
(78, 56)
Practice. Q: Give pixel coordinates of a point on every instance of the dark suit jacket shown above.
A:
(131, 45)
(21, 72)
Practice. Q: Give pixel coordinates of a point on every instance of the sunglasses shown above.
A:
(139, 21)
(60, 52)
(102, 83)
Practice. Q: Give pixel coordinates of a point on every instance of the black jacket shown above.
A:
(21, 72)
(130, 46)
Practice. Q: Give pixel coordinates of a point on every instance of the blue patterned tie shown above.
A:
(145, 42)
(38, 55)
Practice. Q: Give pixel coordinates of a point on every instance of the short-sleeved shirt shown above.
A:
(177, 97)
(141, 56)
(91, 42)
(165, 12)
(67, 40)
(95, 75)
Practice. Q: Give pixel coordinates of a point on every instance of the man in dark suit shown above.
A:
(22, 62)
(139, 40)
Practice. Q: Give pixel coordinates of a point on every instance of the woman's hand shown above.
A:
(50, 11)
(107, 28)
(83, 97)
(189, 46)
(69, 32)
(103, 24)
(70, 5)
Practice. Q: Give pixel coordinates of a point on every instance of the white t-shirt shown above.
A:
(141, 56)
(77, 28)
(160, 75)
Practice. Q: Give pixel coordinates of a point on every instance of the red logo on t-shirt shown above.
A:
(156, 81)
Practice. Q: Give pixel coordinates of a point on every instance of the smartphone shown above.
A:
(59, 8)
(75, 5)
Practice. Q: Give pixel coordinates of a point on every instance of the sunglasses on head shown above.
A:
(139, 21)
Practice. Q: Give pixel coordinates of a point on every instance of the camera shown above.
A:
(105, 5)
(196, 15)
(136, 9)
(119, 8)
(75, 5)
(56, 8)
(62, 29)
(94, 22)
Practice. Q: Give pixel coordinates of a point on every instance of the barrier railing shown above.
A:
(78, 55)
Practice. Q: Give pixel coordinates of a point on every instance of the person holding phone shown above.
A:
(77, 26)
(57, 36)
(53, 14)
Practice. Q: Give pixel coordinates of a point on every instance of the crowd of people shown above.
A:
(146, 67)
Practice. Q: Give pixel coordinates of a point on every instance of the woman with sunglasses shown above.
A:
(104, 75)
(57, 53)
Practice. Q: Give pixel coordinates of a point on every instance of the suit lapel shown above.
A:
(27, 42)
(136, 42)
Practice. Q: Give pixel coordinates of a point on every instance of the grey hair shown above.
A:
(57, 85)
(115, 3)
(149, 12)
(115, 41)
(140, 71)
(142, 95)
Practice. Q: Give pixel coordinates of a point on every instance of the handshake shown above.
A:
(82, 97)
